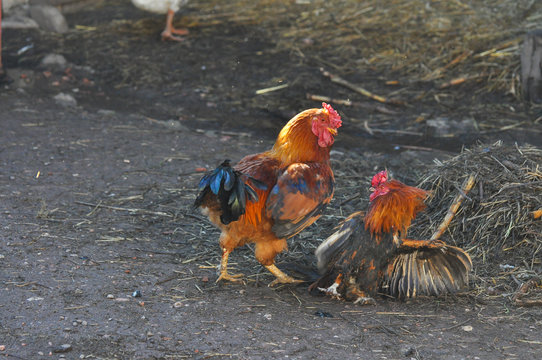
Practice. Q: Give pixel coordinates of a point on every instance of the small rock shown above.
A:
(2, 347)
(178, 304)
(445, 127)
(54, 61)
(171, 124)
(62, 348)
(7, 5)
(105, 112)
(467, 328)
(110, 296)
(49, 18)
(408, 350)
(65, 100)
(136, 294)
(84, 323)
(19, 22)
(323, 314)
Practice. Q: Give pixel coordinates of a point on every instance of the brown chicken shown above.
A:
(370, 254)
(269, 197)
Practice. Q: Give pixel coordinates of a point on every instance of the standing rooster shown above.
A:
(169, 7)
(370, 253)
(269, 197)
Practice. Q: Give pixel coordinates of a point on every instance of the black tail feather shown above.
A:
(231, 188)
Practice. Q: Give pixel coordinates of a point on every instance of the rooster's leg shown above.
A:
(224, 268)
(332, 290)
(362, 297)
(281, 278)
(168, 32)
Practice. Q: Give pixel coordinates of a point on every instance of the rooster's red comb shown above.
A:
(334, 117)
(379, 178)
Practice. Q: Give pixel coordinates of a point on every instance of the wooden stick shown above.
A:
(438, 72)
(338, 80)
(379, 108)
(271, 89)
(466, 187)
(131, 210)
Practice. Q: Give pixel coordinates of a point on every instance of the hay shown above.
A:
(497, 223)
(446, 42)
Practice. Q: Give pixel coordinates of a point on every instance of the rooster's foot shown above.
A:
(281, 278)
(332, 290)
(364, 300)
(233, 278)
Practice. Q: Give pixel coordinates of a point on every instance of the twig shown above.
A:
(467, 186)
(455, 326)
(438, 72)
(338, 80)
(371, 131)
(271, 89)
(459, 80)
(349, 199)
(372, 107)
(166, 280)
(130, 210)
(156, 252)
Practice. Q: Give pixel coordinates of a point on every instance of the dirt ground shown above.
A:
(101, 253)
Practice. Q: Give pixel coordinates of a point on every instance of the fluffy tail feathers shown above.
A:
(231, 188)
(427, 271)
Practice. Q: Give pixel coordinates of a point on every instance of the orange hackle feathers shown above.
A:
(395, 210)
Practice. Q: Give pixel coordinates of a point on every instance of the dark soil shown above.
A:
(96, 202)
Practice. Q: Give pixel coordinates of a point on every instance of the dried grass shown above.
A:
(496, 223)
(441, 41)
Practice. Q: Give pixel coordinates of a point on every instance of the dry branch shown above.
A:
(466, 187)
(130, 210)
(339, 80)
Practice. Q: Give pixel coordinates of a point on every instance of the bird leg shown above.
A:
(224, 268)
(362, 297)
(168, 32)
(332, 290)
(281, 278)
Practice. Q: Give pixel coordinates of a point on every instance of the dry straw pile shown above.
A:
(499, 223)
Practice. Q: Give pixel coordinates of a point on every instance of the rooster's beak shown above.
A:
(332, 131)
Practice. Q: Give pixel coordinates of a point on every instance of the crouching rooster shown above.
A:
(369, 254)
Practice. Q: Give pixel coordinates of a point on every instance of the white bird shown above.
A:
(169, 7)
